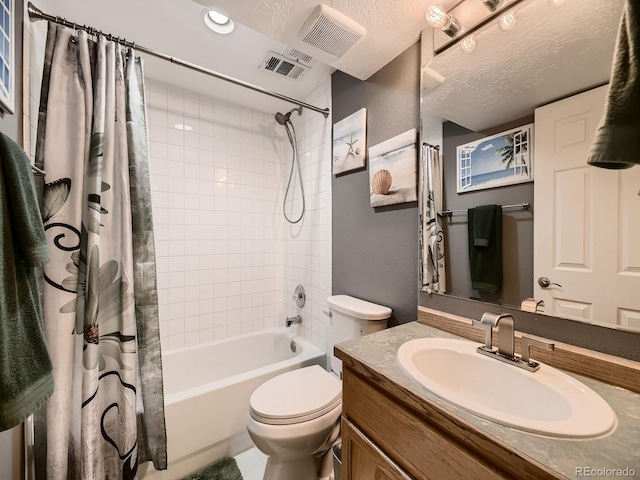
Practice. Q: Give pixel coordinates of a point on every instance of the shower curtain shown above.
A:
(433, 268)
(106, 415)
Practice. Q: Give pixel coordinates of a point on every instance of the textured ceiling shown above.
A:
(392, 26)
(176, 28)
(552, 53)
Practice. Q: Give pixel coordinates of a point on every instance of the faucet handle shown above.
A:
(527, 342)
(488, 343)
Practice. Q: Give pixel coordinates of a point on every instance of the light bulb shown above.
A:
(436, 16)
(555, 3)
(508, 21)
(468, 45)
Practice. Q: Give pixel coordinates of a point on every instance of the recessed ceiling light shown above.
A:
(218, 22)
(183, 126)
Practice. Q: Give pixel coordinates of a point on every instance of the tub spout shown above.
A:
(293, 320)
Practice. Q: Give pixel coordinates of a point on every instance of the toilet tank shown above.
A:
(352, 318)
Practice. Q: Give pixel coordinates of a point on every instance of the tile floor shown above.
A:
(252, 464)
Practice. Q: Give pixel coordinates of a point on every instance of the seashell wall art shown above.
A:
(393, 170)
(381, 182)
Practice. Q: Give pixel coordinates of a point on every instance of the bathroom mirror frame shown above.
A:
(605, 339)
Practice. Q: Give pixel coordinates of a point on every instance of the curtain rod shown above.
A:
(36, 14)
(523, 206)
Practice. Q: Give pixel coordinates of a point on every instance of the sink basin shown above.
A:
(547, 402)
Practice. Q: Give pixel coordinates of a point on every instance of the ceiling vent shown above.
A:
(295, 54)
(280, 65)
(331, 31)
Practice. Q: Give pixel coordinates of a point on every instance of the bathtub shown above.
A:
(207, 389)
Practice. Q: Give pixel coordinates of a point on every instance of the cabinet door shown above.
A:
(363, 460)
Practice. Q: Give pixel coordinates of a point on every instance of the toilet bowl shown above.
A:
(295, 417)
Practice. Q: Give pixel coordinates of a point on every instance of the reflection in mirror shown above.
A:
(432, 274)
(551, 54)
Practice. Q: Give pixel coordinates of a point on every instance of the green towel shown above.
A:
(484, 226)
(225, 469)
(26, 379)
(617, 140)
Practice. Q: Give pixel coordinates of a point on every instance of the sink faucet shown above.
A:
(506, 341)
(504, 323)
(293, 320)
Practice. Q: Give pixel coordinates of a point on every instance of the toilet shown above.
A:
(294, 417)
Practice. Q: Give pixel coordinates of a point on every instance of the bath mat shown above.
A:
(225, 469)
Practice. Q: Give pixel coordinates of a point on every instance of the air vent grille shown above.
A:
(331, 38)
(297, 55)
(331, 31)
(280, 65)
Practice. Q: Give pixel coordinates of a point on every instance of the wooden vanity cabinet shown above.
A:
(382, 439)
(363, 460)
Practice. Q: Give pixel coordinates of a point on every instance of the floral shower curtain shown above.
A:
(106, 415)
(433, 268)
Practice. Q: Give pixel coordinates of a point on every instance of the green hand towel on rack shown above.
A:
(26, 379)
(484, 226)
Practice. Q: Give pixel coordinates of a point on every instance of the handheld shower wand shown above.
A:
(284, 119)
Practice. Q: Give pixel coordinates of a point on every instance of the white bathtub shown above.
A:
(207, 389)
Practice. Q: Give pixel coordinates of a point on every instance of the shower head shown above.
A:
(283, 118)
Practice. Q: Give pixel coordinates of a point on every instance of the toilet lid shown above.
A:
(297, 396)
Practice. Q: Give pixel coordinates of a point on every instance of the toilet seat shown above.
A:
(295, 397)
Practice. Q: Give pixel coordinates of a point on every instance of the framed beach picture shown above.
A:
(496, 161)
(393, 170)
(7, 56)
(350, 142)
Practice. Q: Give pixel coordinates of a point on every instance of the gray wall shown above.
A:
(11, 449)
(517, 225)
(375, 251)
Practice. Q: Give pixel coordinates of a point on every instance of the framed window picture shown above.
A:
(7, 56)
(496, 161)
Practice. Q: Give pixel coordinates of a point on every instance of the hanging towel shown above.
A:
(484, 225)
(26, 379)
(617, 140)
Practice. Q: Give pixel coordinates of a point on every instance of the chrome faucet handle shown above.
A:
(488, 343)
(527, 342)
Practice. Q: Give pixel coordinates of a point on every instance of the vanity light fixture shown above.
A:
(438, 18)
(508, 21)
(492, 5)
(468, 45)
(218, 22)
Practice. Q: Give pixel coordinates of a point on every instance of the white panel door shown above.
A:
(587, 220)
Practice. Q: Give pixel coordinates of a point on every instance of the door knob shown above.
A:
(544, 282)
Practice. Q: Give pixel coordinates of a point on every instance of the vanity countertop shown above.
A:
(618, 450)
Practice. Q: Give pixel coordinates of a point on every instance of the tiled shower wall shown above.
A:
(307, 245)
(218, 176)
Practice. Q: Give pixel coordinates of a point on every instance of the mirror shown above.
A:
(557, 49)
